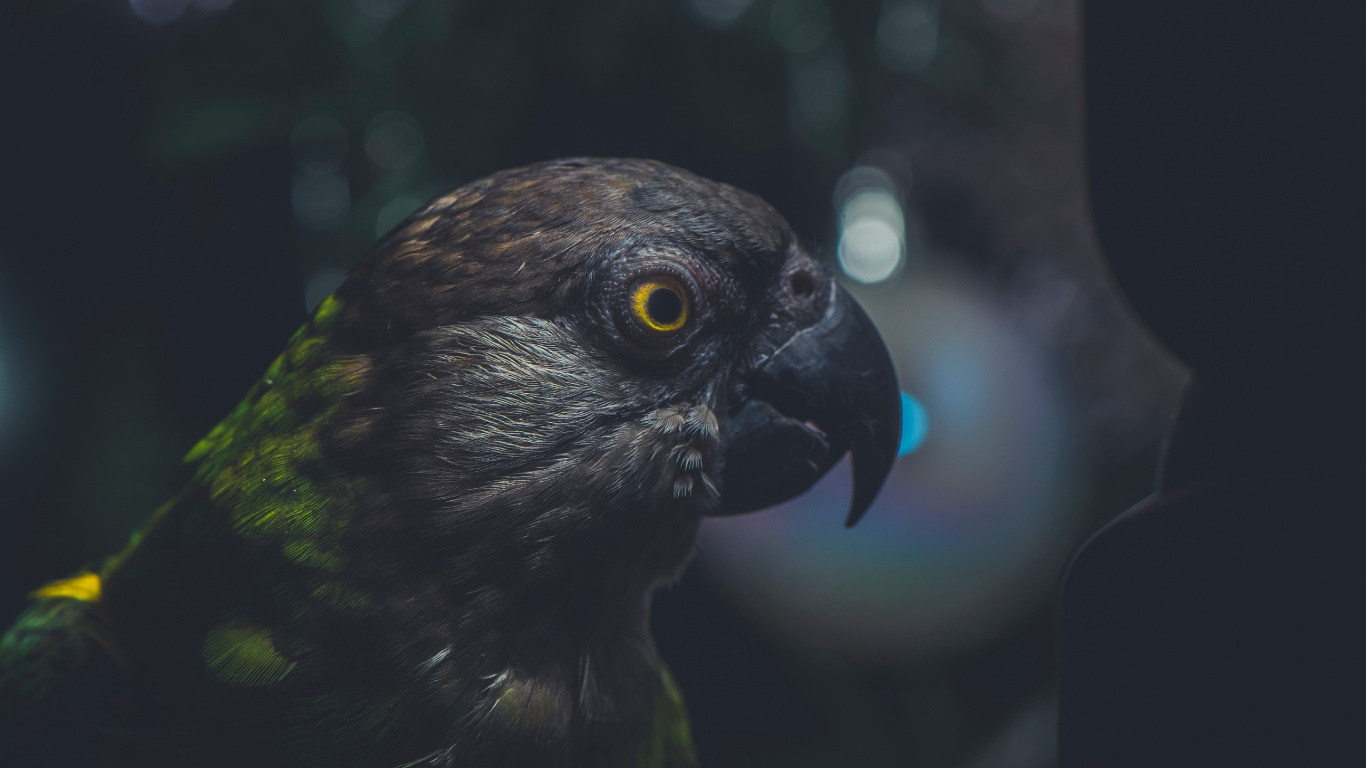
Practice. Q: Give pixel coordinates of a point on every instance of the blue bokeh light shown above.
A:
(914, 424)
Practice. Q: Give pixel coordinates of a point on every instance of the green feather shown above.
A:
(244, 656)
(263, 464)
(669, 744)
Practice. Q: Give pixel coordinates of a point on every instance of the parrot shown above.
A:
(429, 535)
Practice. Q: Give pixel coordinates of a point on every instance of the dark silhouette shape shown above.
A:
(1219, 622)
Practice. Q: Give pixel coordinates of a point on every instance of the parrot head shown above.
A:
(588, 355)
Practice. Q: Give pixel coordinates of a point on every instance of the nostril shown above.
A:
(801, 283)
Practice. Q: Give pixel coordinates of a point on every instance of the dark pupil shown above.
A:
(664, 306)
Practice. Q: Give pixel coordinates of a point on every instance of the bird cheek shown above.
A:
(686, 439)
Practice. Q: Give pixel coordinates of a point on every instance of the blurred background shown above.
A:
(185, 179)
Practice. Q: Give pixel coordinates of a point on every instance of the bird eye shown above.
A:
(659, 304)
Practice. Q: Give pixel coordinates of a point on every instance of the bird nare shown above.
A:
(429, 535)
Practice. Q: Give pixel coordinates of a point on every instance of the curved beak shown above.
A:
(829, 388)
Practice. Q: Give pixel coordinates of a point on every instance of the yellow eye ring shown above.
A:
(659, 304)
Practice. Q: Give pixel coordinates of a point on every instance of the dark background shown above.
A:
(183, 180)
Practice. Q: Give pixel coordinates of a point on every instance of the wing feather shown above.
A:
(63, 682)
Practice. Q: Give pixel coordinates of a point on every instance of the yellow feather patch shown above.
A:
(82, 586)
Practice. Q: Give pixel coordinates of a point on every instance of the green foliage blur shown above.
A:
(798, 86)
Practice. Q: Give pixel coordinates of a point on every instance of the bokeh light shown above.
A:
(24, 384)
(393, 140)
(393, 212)
(719, 14)
(908, 35)
(915, 424)
(870, 248)
(320, 194)
(872, 240)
